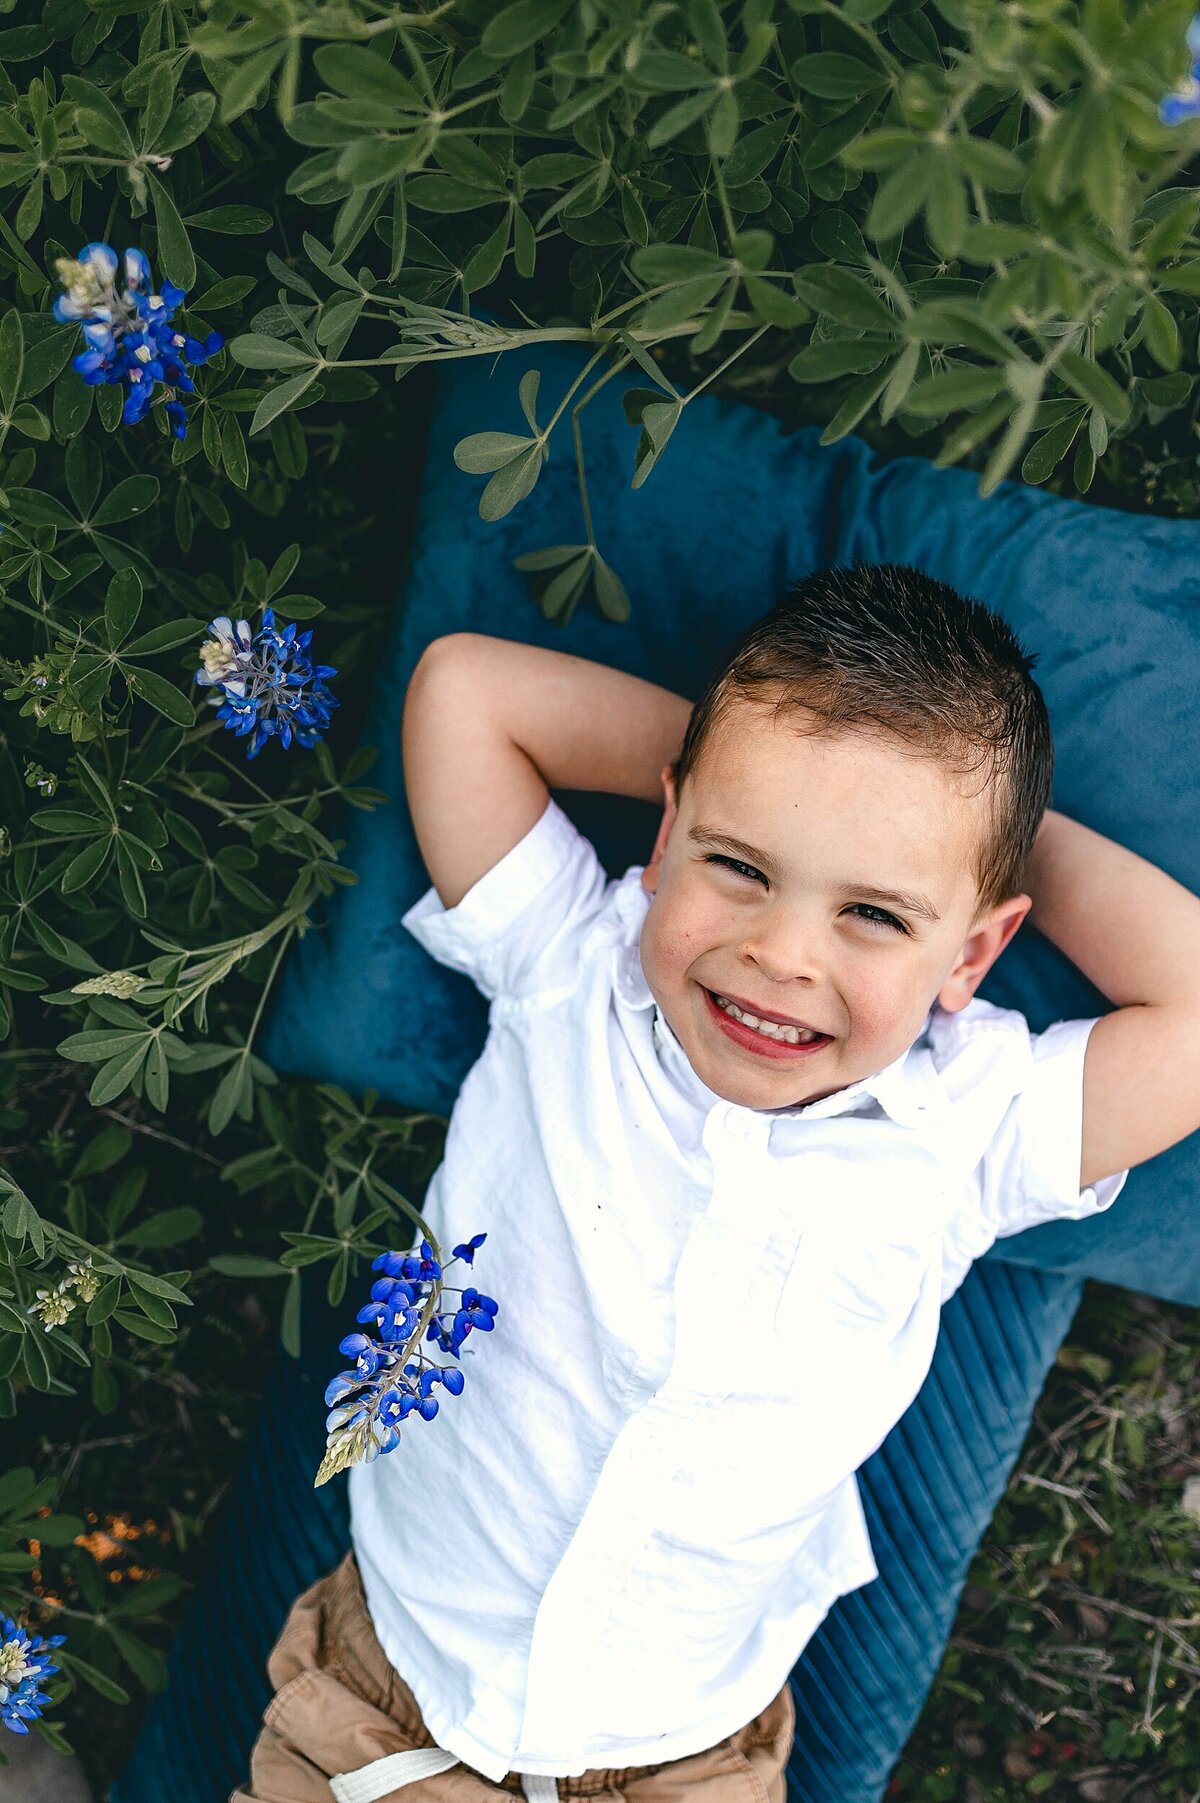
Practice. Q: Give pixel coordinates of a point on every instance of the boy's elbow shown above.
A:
(445, 663)
(448, 650)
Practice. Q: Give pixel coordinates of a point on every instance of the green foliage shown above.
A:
(957, 227)
(965, 219)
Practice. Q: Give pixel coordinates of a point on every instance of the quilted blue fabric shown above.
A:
(733, 513)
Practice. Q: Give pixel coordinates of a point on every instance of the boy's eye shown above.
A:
(880, 917)
(736, 864)
(875, 916)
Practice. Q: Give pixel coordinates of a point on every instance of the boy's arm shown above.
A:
(490, 726)
(1135, 932)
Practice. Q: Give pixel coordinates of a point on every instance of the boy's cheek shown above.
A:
(672, 939)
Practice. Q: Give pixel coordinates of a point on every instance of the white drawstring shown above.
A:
(369, 1782)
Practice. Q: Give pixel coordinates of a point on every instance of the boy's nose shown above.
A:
(784, 954)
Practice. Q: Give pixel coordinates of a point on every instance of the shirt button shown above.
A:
(740, 1126)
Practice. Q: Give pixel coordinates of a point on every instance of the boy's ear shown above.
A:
(980, 949)
(653, 869)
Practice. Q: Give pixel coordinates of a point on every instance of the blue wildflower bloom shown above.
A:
(469, 1250)
(23, 1666)
(264, 683)
(129, 334)
(391, 1377)
(1183, 102)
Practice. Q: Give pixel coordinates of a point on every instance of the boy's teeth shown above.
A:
(768, 1028)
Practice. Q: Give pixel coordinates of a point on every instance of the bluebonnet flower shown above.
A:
(1183, 102)
(130, 335)
(391, 1377)
(264, 683)
(23, 1665)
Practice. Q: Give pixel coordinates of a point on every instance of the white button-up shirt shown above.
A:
(611, 1549)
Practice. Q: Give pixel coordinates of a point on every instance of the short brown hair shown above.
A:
(884, 646)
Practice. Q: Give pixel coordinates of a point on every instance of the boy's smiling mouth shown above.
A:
(768, 1035)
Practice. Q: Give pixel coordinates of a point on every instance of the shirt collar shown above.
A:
(906, 1089)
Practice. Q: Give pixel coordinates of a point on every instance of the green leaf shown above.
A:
(860, 398)
(129, 498)
(225, 293)
(93, 1047)
(361, 74)
(254, 350)
(527, 394)
(685, 302)
(612, 596)
(949, 389)
(167, 1228)
(482, 452)
(844, 297)
(108, 1687)
(115, 1077)
(47, 358)
(1094, 384)
(900, 381)
(945, 207)
(146, 1665)
(957, 323)
(371, 160)
(123, 602)
(152, 1306)
(233, 452)
(1162, 391)
(12, 358)
(88, 867)
(1181, 278)
(189, 121)
(563, 590)
(1048, 451)
(33, 508)
(246, 1264)
(174, 246)
(242, 83)
(21, 42)
(678, 117)
(162, 695)
(234, 221)
(511, 484)
(658, 263)
(825, 359)
(143, 1328)
(1161, 333)
(548, 559)
(833, 76)
(280, 398)
(164, 638)
(514, 28)
(227, 1096)
(899, 197)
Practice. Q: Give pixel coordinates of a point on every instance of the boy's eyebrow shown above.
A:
(906, 899)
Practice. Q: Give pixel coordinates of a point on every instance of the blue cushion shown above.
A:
(733, 512)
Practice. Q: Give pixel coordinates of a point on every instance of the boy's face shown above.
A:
(796, 925)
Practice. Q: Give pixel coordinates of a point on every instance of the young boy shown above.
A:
(739, 1128)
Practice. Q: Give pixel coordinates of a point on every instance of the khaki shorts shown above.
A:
(338, 1705)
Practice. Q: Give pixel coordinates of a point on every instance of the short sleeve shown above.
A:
(1029, 1164)
(518, 930)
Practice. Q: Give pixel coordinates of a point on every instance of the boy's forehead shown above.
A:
(781, 778)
